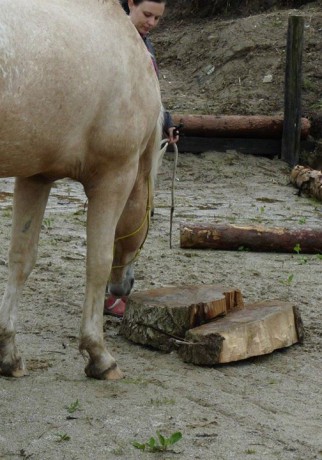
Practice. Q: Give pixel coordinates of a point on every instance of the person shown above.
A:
(145, 16)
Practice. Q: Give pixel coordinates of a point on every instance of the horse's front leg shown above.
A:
(30, 198)
(105, 206)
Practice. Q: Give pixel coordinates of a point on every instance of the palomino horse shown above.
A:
(79, 98)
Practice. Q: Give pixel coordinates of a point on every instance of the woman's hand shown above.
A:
(173, 135)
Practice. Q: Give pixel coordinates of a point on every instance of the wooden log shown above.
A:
(255, 238)
(240, 126)
(156, 316)
(256, 330)
(307, 180)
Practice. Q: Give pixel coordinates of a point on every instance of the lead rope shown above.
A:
(147, 217)
(174, 173)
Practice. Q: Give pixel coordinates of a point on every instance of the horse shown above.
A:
(79, 98)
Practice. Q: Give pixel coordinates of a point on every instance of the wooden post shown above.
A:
(292, 99)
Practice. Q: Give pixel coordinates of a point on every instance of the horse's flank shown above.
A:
(79, 98)
(58, 96)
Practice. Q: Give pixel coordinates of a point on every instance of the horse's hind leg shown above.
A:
(104, 210)
(30, 198)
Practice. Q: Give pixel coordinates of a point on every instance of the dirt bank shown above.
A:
(236, 65)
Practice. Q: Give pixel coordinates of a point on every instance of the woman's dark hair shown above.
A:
(125, 5)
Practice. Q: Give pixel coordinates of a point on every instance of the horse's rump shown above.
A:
(74, 78)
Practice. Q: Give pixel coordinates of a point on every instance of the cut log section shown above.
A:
(256, 126)
(256, 330)
(307, 180)
(156, 316)
(254, 238)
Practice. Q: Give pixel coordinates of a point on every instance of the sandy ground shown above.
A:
(264, 408)
(268, 407)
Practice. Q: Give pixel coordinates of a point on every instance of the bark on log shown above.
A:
(154, 317)
(255, 238)
(307, 180)
(256, 330)
(257, 126)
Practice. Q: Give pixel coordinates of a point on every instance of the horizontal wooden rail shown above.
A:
(236, 126)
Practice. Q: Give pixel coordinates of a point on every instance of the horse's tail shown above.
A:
(158, 148)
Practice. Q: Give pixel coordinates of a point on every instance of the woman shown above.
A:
(145, 15)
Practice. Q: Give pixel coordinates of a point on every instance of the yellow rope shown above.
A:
(146, 219)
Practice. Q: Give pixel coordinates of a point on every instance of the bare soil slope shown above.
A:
(236, 65)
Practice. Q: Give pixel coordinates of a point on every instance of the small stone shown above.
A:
(268, 78)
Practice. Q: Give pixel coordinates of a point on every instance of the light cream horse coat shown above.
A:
(79, 98)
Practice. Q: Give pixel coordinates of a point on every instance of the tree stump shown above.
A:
(256, 330)
(155, 317)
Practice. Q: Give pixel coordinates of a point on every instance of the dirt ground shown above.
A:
(268, 407)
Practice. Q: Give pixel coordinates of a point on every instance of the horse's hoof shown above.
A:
(16, 370)
(113, 373)
(17, 373)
